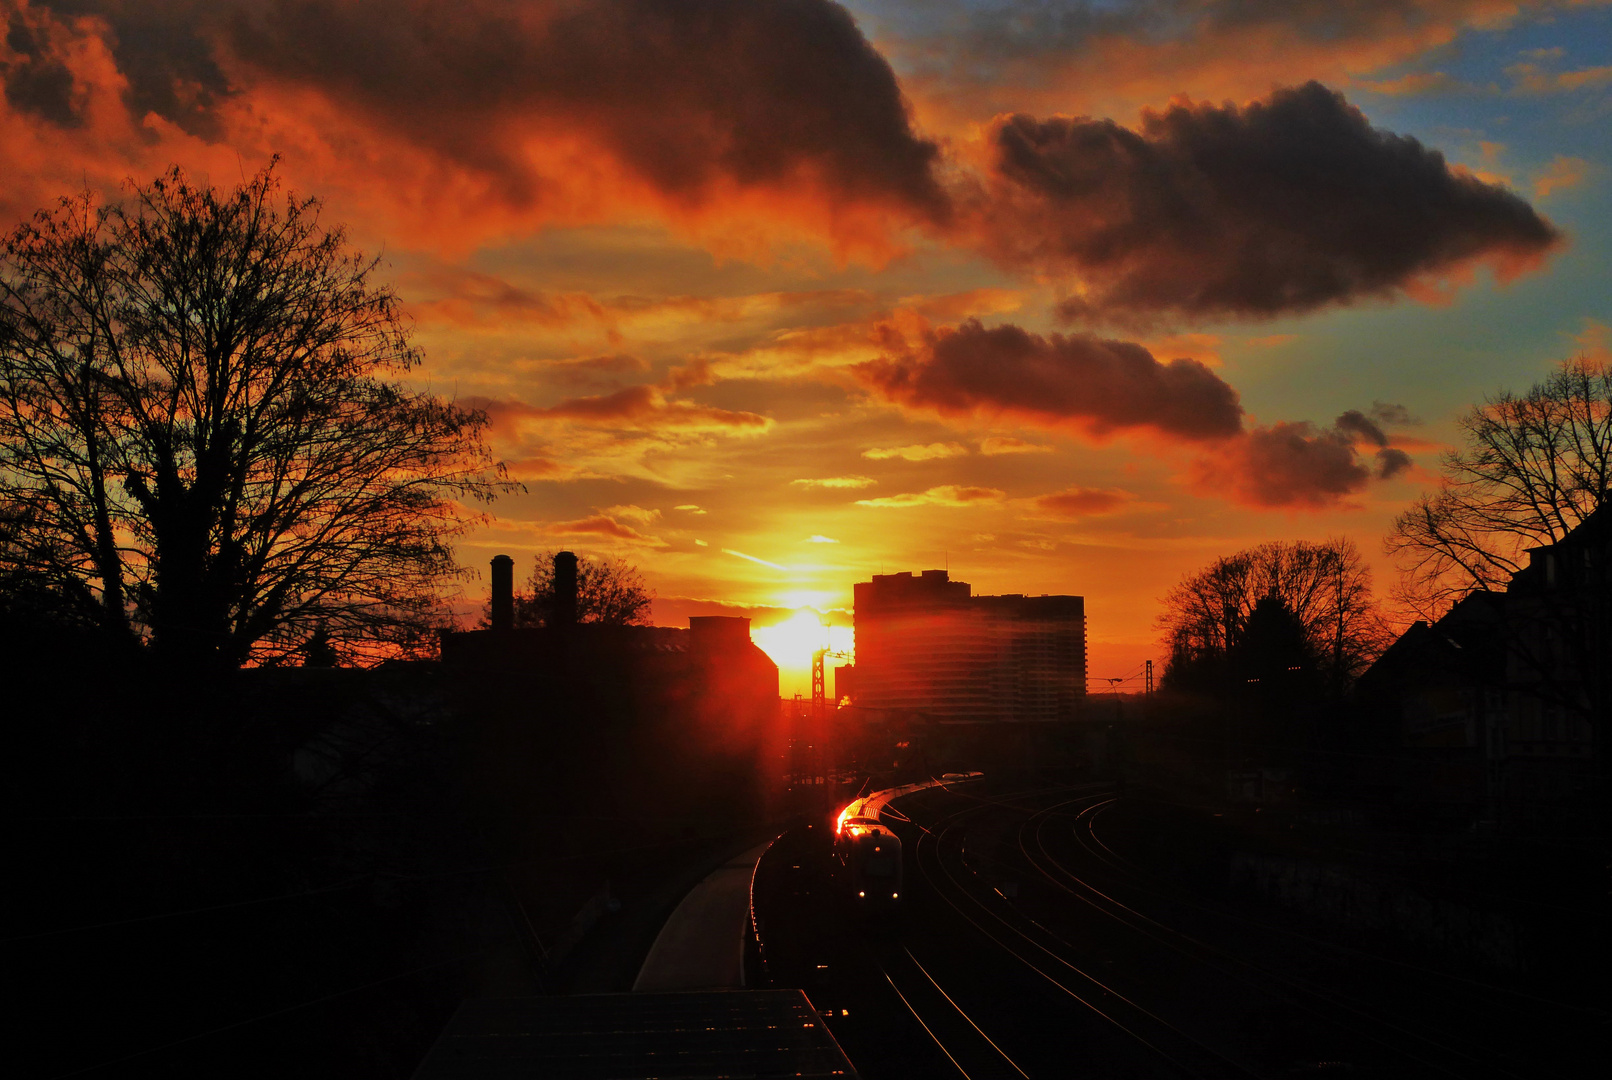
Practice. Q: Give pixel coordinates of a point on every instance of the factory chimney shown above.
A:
(565, 589)
(503, 601)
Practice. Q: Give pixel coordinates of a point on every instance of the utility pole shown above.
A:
(1149, 686)
(820, 712)
(819, 693)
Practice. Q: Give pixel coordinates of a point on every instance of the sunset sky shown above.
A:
(769, 296)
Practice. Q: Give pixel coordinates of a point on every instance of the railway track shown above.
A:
(1095, 965)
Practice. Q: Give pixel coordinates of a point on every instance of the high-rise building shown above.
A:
(926, 646)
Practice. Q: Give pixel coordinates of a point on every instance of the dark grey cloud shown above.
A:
(1099, 386)
(1354, 422)
(1389, 413)
(1081, 380)
(1285, 205)
(1391, 462)
(1301, 465)
(34, 77)
(1293, 465)
(686, 94)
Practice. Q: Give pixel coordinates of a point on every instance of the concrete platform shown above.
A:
(701, 947)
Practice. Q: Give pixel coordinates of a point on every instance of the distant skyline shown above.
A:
(770, 297)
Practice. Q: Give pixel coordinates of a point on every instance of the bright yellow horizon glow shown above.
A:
(791, 644)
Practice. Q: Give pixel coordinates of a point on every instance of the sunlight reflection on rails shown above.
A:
(921, 1023)
(965, 1015)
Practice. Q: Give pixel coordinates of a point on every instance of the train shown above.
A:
(867, 859)
(867, 854)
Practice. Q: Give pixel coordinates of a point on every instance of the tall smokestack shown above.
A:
(565, 589)
(503, 614)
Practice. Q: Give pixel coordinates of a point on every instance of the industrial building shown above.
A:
(712, 664)
(927, 647)
(683, 718)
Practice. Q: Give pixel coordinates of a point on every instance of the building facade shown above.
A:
(927, 647)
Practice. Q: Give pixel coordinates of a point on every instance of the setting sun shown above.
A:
(792, 642)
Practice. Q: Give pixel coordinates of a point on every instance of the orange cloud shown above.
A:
(631, 512)
(837, 482)
(1595, 341)
(537, 468)
(1204, 348)
(1418, 84)
(638, 407)
(1078, 502)
(605, 526)
(501, 114)
(1534, 79)
(745, 124)
(971, 303)
(944, 495)
(929, 452)
(997, 445)
(1271, 341)
(967, 64)
(1562, 173)
(468, 299)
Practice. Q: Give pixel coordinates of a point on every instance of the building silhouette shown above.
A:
(926, 646)
(1493, 705)
(713, 664)
(669, 716)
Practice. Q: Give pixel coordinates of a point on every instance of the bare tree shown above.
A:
(1533, 467)
(205, 442)
(1325, 587)
(609, 591)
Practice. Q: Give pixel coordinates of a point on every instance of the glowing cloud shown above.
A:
(944, 495)
(638, 407)
(535, 111)
(752, 558)
(603, 526)
(931, 452)
(837, 482)
(997, 445)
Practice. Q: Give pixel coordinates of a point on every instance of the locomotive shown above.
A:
(868, 862)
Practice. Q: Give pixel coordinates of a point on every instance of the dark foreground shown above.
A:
(1055, 932)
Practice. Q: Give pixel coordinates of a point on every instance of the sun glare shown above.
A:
(792, 642)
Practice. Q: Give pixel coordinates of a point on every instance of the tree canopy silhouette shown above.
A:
(206, 442)
(1277, 606)
(1533, 467)
(609, 591)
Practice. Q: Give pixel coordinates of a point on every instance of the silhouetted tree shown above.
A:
(1533, 466)
(204, 442)
(1324, 589)
(609, 591)
(1274, 651)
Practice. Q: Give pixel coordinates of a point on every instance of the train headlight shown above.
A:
(863, 894)
(895, 896)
